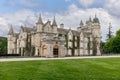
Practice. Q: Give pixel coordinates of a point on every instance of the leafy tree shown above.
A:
(108, 45)
(113, 44)
(118, 33)
(3, 45)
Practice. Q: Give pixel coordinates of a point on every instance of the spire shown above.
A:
(81, 22)
(90, 20)
(69, 28)
(54, 22)
(95, 20)
(40, 20)
(110, 25)
(11, 31)
(22, 28)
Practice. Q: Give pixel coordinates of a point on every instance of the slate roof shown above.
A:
(65, 31)
(27, 29)
(75, 32)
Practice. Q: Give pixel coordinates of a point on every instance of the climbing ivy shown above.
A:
(28, 45)
(66, 41)
(88, 45)
(60, 35)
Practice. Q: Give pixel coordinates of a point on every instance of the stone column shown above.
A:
(21, 51)
(36, 51)
(98, 51)
(49, 51)
(76, 52)
(91, 52)
(81, 52)
(98, 48)
(63, 51)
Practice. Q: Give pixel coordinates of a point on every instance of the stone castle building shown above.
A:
(49, 40)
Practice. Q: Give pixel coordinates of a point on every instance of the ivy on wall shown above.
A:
(88, 45)
(28, 45)
(32, 50)
(66, 41)
(74, 40)
(60, 35)
(94, 46)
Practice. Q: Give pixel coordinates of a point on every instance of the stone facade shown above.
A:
(47, 40)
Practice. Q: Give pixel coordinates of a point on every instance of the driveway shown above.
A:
(39, 58)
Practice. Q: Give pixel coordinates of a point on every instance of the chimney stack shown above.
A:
(62, 26)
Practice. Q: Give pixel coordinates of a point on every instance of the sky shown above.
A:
(69, 12)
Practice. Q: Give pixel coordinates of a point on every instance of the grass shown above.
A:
(80, 69)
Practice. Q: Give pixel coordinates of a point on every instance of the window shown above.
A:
(70, 36)
(81, 44)
(70, 44)
(75, 44)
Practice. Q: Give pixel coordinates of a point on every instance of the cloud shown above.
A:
(25, 3)
(74, 14)
(86, 3)
(3, 21)
(113, 6)
(71, 18)
(3, 26)
(24, 17)
(29, 4)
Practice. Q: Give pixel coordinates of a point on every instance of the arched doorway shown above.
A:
(55, 51)
(44, 48)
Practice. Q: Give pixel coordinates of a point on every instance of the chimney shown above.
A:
(62, 26)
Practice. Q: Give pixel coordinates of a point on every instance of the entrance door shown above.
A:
(44, 48)
(55, 51)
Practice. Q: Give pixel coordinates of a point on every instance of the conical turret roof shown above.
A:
(95, 20)
(54, 22)
(90, 20)
(40, 20)
(11, 31)
(81, 22)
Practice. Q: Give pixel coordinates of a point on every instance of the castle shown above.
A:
(49, 40)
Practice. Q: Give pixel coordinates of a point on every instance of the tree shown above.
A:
(109, 35)
(113, 44)
(3, 45)
(108, 46)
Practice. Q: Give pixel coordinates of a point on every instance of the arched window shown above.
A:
(70, 37)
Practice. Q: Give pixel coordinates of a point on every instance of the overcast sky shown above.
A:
(69, 12)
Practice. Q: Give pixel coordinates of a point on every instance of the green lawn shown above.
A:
(81, 69)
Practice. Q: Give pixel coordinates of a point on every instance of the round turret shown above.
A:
(95, 20)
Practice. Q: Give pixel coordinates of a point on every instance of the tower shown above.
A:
(96, 36)
(90, 22)
(10, 36)
(81, 24)
(54, 25)
(39, 24)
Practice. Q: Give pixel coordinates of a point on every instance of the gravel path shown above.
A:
(39, 58)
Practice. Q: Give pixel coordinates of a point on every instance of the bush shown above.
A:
(9, 54)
